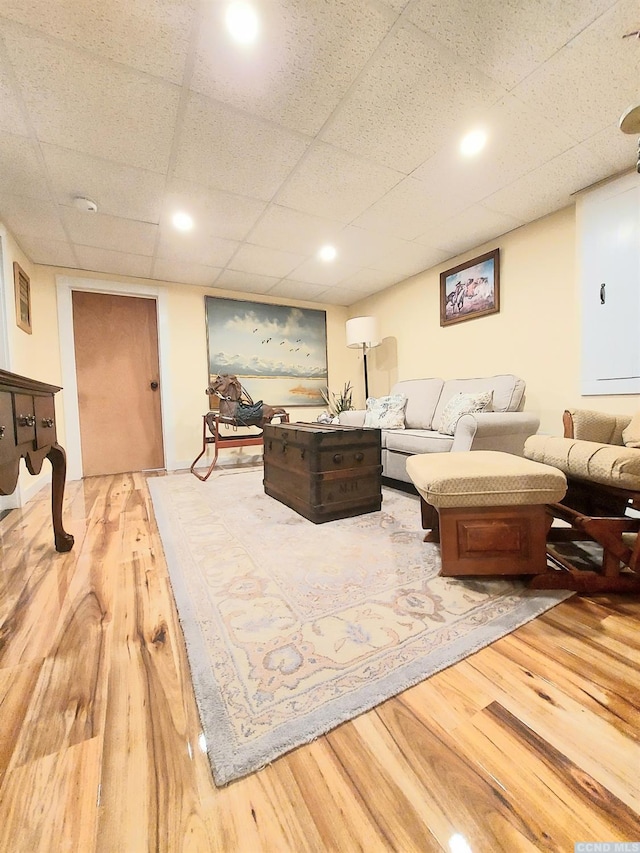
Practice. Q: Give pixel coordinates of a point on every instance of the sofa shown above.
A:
(599, 454)
(502, 425)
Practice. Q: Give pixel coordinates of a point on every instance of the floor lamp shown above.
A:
(362, 333)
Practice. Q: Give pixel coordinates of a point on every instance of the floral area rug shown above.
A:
(292, 628)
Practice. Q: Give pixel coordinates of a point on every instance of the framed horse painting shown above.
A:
(278, 352)
(471, 289)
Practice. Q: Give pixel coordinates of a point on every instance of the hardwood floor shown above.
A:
(530, 744)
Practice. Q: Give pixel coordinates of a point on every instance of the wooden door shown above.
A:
(116, 347)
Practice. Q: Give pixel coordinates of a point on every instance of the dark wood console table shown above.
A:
(28, 430)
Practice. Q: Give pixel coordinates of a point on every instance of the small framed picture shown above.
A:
(471, 289)
(22, 287)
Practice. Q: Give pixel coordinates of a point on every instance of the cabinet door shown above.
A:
(610, 256)
(7, 431)
(45, 421)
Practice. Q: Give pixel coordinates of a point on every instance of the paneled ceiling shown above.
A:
(340, 125)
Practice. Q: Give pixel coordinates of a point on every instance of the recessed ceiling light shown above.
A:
(327, 253)
(473, 142)
(242, 22)
(182, 221)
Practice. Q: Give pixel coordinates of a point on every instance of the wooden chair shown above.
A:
(601, 504)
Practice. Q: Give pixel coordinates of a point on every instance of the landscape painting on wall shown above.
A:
(278, 353)
(471, 289)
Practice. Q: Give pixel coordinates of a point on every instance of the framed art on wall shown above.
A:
(471, 289)
(278, 353)
(22, 288)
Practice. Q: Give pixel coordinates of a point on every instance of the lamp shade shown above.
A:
(363, 331)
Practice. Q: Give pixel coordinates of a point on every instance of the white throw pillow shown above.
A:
(463, 404)
(386, 412)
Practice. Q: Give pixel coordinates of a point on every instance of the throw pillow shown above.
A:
(463, 404)
(386, 412)
(631, 433)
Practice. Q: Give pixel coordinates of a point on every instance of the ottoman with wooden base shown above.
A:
(487, 510)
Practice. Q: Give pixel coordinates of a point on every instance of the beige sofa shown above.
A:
(505, 428)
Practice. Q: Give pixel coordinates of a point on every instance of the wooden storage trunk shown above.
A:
(323, 471)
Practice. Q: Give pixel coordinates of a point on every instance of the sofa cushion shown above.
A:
(508, 392)
(422, 397)
(631, 433)
(607, 464)
(417, 441)
(386, 412)
(463, 404)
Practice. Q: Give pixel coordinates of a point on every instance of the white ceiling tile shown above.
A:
(21, 171)
(409, 259)
(370, 281)
(117, 190)
(109, 232)
(31, 217)
(288, 289)
(185, 272)
(306, 57)
(402, 107)
(49, 252)
(272, 262)
(295, 231)
(620, 151)
(315, 271)
(11, 117)
(244, 282)
(196, 246)
(118, 263)
(518, 140)
(151, 35)
(333, 183)
(339, 296)
(549, 187)
(585, 87)
(125, 116)
(470, 228)
(410, 208)
(219, 214)
(506, 39)
(229, 150)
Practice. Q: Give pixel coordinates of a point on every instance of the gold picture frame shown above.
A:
(22, 288)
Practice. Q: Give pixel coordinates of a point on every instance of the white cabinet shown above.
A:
(609, 259)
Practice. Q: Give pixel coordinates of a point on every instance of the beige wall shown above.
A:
(38, 355)
(536, 334)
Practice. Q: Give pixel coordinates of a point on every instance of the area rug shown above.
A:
(292, 628)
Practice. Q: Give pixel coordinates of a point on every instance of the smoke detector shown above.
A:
(85, 204)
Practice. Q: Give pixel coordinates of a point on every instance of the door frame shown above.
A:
(65, 285)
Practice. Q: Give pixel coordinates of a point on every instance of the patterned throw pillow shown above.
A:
(631, 433)
(386, 412)
(463, 404)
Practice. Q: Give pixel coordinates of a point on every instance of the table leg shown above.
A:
(64, 541)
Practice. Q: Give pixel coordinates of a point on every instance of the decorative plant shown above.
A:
(341, 402)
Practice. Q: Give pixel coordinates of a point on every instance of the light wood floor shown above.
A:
(531, 744)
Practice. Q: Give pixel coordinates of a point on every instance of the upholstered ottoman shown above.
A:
(487, 510)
